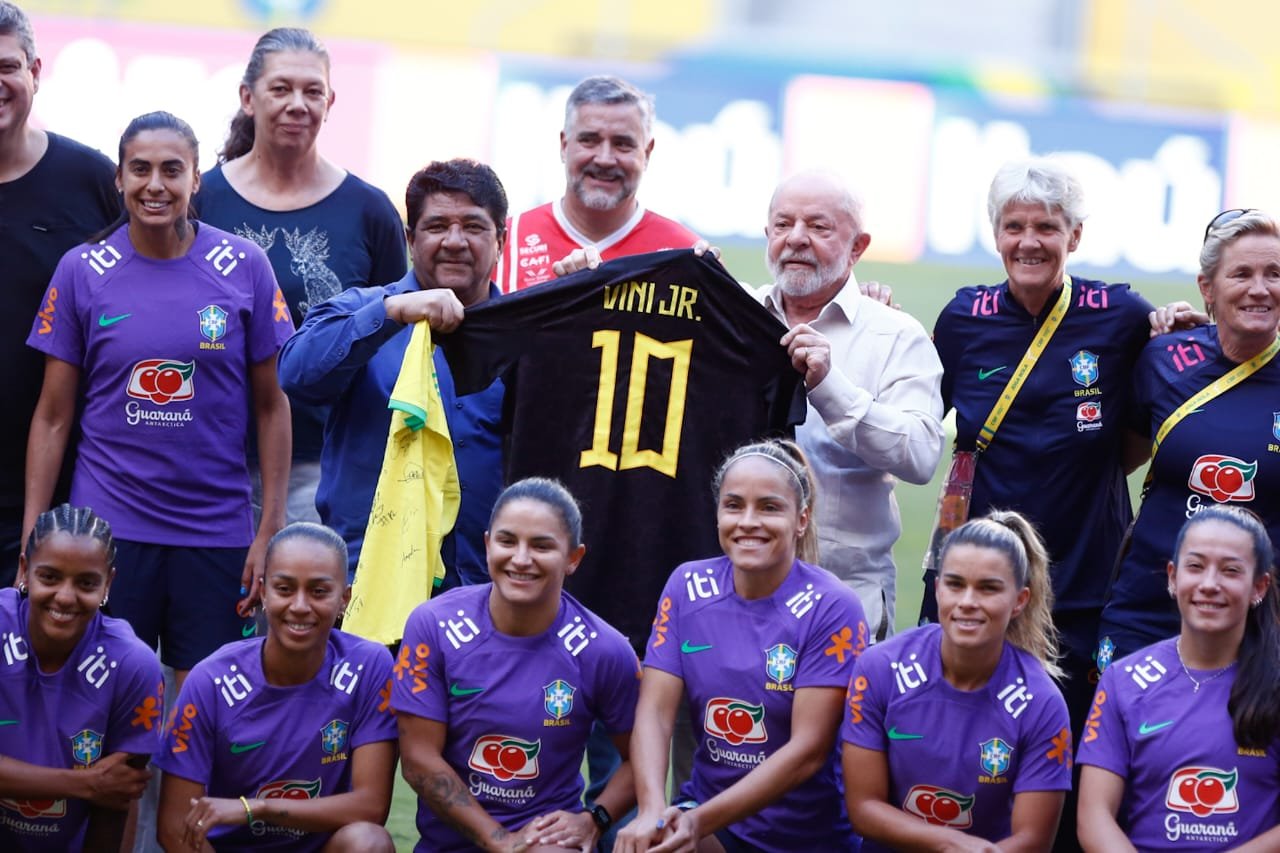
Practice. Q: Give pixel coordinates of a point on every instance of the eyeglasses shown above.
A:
(1224, 217)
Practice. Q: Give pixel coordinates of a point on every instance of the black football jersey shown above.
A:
(630, 384)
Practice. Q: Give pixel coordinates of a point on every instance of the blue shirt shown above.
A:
(1057, 456)
(347, 355)
(1227, 452)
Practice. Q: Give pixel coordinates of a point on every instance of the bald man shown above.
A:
(872, 378)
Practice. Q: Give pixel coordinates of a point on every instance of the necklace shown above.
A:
(1177, 644)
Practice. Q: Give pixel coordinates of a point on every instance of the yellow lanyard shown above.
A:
(1223, 383)
(1029, 359)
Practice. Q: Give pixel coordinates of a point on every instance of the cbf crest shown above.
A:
(1084, 368)
(213, 323)
(995, 755)
(557, 699)
(780, 663)
(333, 737)
(1275, 425)
(86, 747)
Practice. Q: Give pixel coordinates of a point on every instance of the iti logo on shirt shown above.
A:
(162, 380)
(1084, 368)
(504, 757)
(557, 699)
(939, 806)
(213, 323)
(735, 721)
(780, 663)
(1223, 478)
(1203, 791)
(36, 808)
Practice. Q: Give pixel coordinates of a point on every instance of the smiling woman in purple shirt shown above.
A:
(955, 732)
(1182, 748)
(760, 644)
(80, 695)
(285, 742)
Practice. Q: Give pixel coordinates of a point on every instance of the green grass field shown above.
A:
(922, 290)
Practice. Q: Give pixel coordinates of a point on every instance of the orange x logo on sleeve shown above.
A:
(1061, 750)
(840, 644)
(282, 307)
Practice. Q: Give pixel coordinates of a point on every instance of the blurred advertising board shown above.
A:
(727, 130)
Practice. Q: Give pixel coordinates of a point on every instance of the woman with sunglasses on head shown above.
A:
(1207, 400)
(80, 695)
(1182, 748)
(955, 734)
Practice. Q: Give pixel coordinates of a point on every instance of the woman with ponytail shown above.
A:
(761, 644)
(323, 229)
(1182, 747)
(956, 736)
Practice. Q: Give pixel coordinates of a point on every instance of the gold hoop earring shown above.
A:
(22, 589)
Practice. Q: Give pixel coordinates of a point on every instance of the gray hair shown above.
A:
(610, 90)
(14, 22)
(1036, 180)
(1217, 239)
(849, 202)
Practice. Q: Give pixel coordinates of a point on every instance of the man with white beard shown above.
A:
(872, 377)
(605, 146)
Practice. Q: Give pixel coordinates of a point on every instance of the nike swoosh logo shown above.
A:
(455, 690)
(104, 320)
(8, 722)
(237, 748)
(984, 375)
(249, 630)
(1148, 728)
(894, 734)
(689, 648)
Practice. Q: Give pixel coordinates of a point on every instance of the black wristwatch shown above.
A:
(601, 816)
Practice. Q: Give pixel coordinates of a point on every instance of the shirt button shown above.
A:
(457, 405)
(462, 442)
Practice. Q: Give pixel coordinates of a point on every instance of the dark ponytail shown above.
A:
(240, 135)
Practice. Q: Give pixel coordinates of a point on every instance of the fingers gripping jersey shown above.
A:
(1188, 785)
(957, 758)
(107, 698)
(237, 735)
(537, 238)
(518, 709)
(630, 384)
(741, 662)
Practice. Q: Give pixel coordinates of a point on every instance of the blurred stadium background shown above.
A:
(1168, 109)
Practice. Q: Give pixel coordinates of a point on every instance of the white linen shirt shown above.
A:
(876, 416)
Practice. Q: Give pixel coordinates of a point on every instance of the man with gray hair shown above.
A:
(605, 147)
(873, 381)
(54, 193)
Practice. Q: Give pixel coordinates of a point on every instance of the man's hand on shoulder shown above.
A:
(439, 307)
(1175, 317)
(810, 353)
(881, 293)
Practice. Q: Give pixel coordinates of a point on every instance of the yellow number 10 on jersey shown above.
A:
(643, 349)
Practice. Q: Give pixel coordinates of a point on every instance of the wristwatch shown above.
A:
(601, 816)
